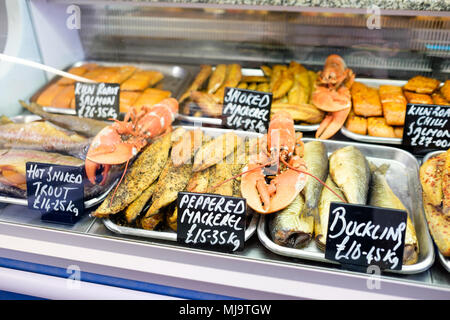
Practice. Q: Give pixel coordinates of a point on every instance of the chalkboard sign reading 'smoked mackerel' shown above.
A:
(211, 221)
(246, 110)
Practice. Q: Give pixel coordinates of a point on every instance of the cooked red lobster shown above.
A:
(332, 94)
(122, 140)
(270, 192)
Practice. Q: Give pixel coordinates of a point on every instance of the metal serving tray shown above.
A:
(403, 178)
(175, 79)
(218, 122)
(24, 202)
(445, 261)
(375, 83)
(170, 235)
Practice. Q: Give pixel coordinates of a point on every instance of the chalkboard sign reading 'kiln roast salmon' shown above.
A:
(246, 110)
(97, 100)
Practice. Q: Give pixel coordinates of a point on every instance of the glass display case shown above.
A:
(166, 45)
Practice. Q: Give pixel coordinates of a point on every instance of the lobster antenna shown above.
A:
(120, 181)
(309, 174)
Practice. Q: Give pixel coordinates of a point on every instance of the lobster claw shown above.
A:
(107, 148)
(331, 124)
(275, 196)
(92, 168)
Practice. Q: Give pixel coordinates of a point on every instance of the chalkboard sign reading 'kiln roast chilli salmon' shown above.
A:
(97, 100)
(211, 221)
(427, 128)
(246, 110)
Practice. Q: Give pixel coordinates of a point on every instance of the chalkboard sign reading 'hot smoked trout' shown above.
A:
(246, 110)
(427, 127)
(211, 221)
(97, 100)
(365, 235)
(56, 191)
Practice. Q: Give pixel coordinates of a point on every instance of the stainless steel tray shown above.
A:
(445, 261)
(24, 202)
(170, 235)
(403, 177)
(369, 139)
(176, 77)
(218, 122)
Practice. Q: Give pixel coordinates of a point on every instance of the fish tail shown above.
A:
(381, 169)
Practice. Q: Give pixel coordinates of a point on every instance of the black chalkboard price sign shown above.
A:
(211, 221)
(365, 235)
(97, 100)
(246, 110)
(56, 191)
(427, 127)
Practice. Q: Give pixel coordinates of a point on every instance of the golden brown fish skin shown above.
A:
(321, 224)
(221, 172)
(171, 219)
(381, 195)
(430, 174)
(135, 208)
(141, 174)
(216, 150)
(204, 73)
(199, 181)
(5, 120)
(284, 83)
(439, 226)
(446, 185)
(288, 228)
(85, 126)
(316, 158)
(232, 79)
(184, 149)
(256, 79)
(13, 164)
(266, 70)
(252, 86)
(263, 87)
(42, 135)
(208, 103)
(350, 171)
(300, 112)
(172, 180)
(217, 78)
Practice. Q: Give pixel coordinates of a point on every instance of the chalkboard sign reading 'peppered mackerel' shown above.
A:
(56, 191)
(97, 100)
(246, 110)
(427, 127)
(211, 221)
(365, 235)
